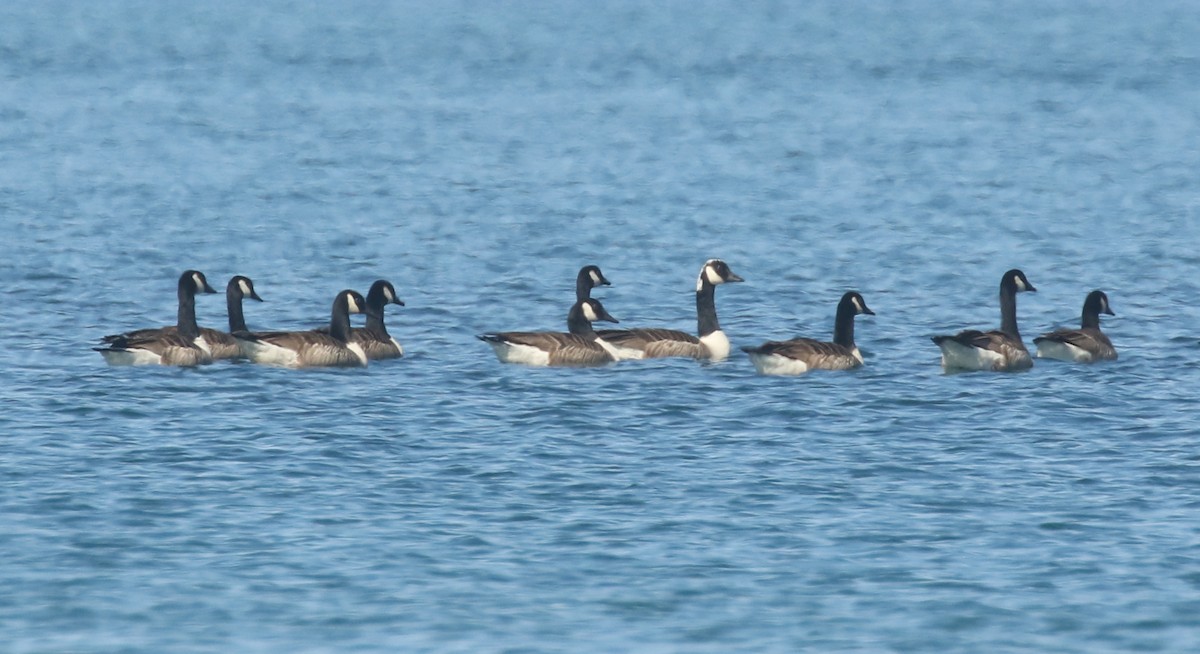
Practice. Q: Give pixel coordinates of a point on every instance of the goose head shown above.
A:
(716, 271)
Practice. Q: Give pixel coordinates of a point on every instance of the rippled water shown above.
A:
(478, 154)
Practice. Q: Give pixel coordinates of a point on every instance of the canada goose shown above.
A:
(712, 344)
(307, 349)
(1001, 349)
(219, 344)
(1084, 345)
(374, 337)
(181, 346)
(589, 277)
(799, 355)
(580, 347)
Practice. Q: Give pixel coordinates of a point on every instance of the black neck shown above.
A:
(185, 320)
(578, 324)
(1008, 312)
(583, 287)
(375, 323)
(1091, 317)
(339, 320)
(376, 301)
(233, 304)
(843, 325)
(706, 308)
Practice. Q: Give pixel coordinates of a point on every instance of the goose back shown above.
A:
(580, 346)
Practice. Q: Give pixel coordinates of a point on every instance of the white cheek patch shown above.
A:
(858, 305)
(589, 313)
(246, 290)
(352, 304)
(595, 277)
(1020, 284)
(198, 281)
(388, 294)
(713, 277)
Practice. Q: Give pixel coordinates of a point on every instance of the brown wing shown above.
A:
(140, 334)
(564, 349)
(375, 345)
(817, 354)
(166, 343)
(221, 344)
(655, 343)
(1087, 339)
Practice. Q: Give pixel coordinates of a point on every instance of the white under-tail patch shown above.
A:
(775, 364)
(716, 345)
(1048, 349)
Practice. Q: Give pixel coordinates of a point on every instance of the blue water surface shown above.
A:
(477, 154)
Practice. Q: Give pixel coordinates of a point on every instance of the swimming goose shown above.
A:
(579, 347)
(589, 277)
(1001, 349)
(799, 355)
(180, 346)
(712, 344)
(220, 345)
(1084, 345)
(374, 338)
(308, 349)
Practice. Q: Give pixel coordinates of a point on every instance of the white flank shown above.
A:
(203, 345)
(956, 356)
(857, 354)
(622, 353)
(1048, 349)
(134, 357)
(774, 364)
(268, 354)
(717, 345)
(399, 348)
(524, 354)
(618, 353)
(358, 352)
